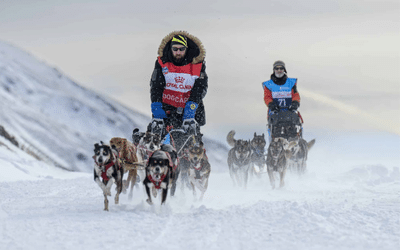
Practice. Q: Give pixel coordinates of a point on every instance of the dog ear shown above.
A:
(113, 147)
(96, 146)
(101, 142)
(255, 134)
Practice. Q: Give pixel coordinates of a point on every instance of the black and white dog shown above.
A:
(146, 143)
(160, 172)
(107, 170)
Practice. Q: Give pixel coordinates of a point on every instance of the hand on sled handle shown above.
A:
(273, 107)
(156, 126)
(157, 110)
(189, 124)
(294, 106)
(190, 110)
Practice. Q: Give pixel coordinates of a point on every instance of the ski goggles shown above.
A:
(279, 68)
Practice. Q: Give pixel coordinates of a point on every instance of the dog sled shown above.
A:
(180, 136)
(285, 124)
(286, 127)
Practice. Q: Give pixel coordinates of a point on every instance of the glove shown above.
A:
(273, 107)
(190, 110)
(156, 126)
(190, 126)
(294, 106)
(157, 110)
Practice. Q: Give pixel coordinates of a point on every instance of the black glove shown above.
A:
(273, 107)
(294, 106)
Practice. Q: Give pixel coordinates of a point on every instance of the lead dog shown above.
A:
(129, 161)
(159, 171)
(239, 159)
(107, 170)
(299, 153)
(279, 151)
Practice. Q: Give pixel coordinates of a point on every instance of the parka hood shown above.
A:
(196, 52)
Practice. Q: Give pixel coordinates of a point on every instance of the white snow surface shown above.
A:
(334, 206)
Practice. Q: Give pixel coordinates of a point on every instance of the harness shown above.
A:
(106, 167)
(104, 172)
(157, 184)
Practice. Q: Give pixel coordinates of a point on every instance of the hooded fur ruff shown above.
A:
(196, 48)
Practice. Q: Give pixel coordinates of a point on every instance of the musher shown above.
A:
(280, 92)
(179, 83)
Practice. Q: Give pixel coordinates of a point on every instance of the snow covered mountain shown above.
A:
(55, 119)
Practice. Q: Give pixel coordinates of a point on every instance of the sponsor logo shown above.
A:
(179, 79)
(180, 86)
(282, 94)
(175, 99)
(165, 70)
(192, 106)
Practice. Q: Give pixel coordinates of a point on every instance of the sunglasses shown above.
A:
(180, 49)
(279, 68)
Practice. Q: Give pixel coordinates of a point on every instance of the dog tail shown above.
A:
(310, 144)
(230, 139)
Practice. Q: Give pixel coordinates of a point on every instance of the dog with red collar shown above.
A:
(107, 170)
(160, 169)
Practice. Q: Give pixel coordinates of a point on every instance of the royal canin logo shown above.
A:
(179, 79)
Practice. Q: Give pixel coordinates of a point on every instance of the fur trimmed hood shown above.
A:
(196, 52)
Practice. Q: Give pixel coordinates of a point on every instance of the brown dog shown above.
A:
(127, 153)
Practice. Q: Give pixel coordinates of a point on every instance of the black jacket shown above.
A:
(195, 54)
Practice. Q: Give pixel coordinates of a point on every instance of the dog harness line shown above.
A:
(157, 184)
(104, 173)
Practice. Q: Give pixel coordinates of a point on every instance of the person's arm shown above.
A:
(197, 94)
(200, 87)
(157, 84)
(267, 96)
(295, 94)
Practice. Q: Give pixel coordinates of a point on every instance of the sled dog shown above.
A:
(199, 166)
(158, 174)
(279, 151)
(258, 158)
(107, 170)
(299, 153)
(147, 143)
(129, 161)
(239, 159)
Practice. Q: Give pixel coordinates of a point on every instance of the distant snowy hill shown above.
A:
(55, 119)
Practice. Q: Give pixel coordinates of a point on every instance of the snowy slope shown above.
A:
(56, 118)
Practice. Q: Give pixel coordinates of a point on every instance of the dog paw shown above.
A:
(149, 201)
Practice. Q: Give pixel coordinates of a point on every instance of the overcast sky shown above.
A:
(345, 53)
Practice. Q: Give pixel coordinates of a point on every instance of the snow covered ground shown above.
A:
(345, 201)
